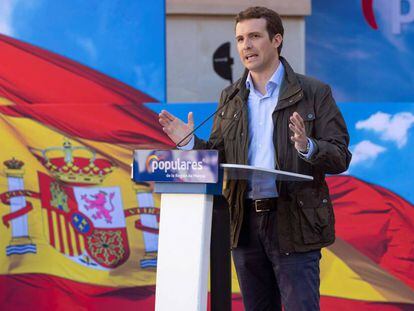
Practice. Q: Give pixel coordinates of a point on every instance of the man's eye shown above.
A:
(239, 40)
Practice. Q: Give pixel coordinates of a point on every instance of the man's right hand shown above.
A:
(175, 128)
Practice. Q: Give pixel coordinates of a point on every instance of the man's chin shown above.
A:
(251, 67)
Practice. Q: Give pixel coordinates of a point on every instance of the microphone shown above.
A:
(231, 96)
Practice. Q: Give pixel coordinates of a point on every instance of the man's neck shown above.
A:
(260, 79)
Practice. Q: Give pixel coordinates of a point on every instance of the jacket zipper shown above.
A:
(292, 101)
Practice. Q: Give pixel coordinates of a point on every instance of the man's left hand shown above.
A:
(299, 137)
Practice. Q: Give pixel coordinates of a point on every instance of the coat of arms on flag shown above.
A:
(86, 221)
(90, 222)
(83, 215)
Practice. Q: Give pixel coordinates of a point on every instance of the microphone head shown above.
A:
(234, 93)
(239, 85)
(244, 77)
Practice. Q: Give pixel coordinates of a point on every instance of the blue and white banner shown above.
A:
(194, 166)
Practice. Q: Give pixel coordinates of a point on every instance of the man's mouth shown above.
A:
(251, 56)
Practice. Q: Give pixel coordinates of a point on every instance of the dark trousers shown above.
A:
(269, 279)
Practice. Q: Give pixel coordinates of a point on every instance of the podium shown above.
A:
(188, 182)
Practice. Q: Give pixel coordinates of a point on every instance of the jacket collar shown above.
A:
(244, 91)
(290, 84)
(274, 81)
(289, 87)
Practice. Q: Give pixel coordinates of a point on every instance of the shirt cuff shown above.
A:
(308, 155)
(189, 146)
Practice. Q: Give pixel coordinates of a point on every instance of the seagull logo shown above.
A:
(149, 161)
(368, 10)
(400, 12)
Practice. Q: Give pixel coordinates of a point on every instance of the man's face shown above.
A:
(257, 51)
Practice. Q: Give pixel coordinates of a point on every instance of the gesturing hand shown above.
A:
(175, 128)
(299, 133)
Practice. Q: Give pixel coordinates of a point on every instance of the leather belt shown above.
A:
(263, 205)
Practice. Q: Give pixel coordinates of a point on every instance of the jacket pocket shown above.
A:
(308, 116)
(228, 124)
(315, 216)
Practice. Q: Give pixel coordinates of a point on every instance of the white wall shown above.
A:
(192, 38)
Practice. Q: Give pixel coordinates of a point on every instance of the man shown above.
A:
(283, 120)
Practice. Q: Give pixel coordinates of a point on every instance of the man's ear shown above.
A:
(277, 40)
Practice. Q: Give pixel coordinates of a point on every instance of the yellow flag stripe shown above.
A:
(345, 272)
(45, 228)
(73, 241)
(81, 243)
(19, 135)
(341, 274)
(55, 231)
(5, 102)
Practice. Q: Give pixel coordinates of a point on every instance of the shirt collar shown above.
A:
(275, 79)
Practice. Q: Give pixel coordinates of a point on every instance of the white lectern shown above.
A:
(188, 181)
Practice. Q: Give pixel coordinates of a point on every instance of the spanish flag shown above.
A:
(77, 234)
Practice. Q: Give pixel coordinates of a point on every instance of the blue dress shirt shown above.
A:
(261, 151)
(261, 148)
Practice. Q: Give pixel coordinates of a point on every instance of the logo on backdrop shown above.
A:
(399, 14)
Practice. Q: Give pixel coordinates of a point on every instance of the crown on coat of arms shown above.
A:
(13, 164)
(82, 168)
(14, 167)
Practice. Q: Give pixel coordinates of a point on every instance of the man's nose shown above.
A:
(247, 44)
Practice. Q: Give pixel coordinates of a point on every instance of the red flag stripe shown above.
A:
(74, 99)
(389, 238)
(51, 230)
(78, 245)
(60, 233)
(69, 238)
(55, 293)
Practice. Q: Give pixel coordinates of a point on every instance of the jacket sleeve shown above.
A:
(331, 138)
(216, 140)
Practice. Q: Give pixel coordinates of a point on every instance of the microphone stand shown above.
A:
(232, 95)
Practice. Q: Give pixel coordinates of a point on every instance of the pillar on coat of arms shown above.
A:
(20, 242)
(145, 199)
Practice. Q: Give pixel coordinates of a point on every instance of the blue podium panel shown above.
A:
(177, 166)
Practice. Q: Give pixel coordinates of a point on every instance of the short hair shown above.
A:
(274, 24)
